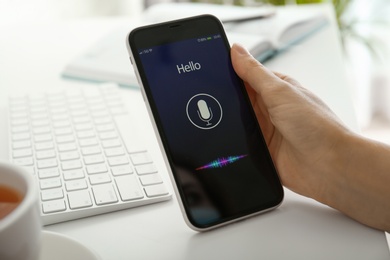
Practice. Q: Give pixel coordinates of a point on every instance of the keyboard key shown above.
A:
(21, 136)
(25, 161)
(128, 187)
(63, 131)
(58, 112)
(150, 179)
(48, 173)
(76, 113)
(78, 107)
(114, 151)
(97, 107)
(99, 178)
(65, 139)
(69, 156)
(67, 147)
(20, 129)
(76, 185)
(22, 153)
(97, 112)
(42, 138)
(18, 106)
(61, 123)
(118, 160)
(88, 142)
(96, 168)
(20, 114)
(44, 146)
(121, 170)
(52, 194)
(45, 154)
(38, 123)
(111, 143)
(104, 194)
(140, 158)
(39, 116)
(19, 121)
(102, 120)
(90, 150)
(81, 119)
(73, 174)
(71, 165)
(79, 199)
(108, 135)
(85, 134)
(83, 127)
(50, 183)
(93, 159)
(21, 144)
(53, 206)
(104, 128)
(41, 130)
(47, 163)
(146, 169)
(156, 190)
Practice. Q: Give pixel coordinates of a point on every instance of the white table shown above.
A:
(32, 57)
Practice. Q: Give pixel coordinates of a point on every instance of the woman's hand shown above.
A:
(314, 153)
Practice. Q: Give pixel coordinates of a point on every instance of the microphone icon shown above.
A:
(204, 112)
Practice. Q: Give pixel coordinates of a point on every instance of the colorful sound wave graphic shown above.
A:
(221, 162)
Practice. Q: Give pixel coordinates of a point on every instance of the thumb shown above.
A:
(252, 71)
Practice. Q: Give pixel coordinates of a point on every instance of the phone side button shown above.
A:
(131, 60)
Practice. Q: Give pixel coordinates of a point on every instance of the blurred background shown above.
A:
(364, 32)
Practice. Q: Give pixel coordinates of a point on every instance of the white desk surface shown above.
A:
(32, 57)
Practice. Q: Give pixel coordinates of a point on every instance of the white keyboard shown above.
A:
(81, 147)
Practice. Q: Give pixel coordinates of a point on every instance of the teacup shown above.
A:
(20, 224)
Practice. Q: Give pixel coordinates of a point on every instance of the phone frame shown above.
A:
(135, 60)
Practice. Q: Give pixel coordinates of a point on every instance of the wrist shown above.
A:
(335, 166)
(358, 181)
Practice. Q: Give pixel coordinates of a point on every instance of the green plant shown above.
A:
(340, 7)
(350, 27)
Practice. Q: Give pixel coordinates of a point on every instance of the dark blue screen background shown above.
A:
(216, 194)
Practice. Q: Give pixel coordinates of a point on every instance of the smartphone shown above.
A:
(211, 141)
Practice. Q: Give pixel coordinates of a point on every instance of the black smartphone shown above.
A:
(210, 138)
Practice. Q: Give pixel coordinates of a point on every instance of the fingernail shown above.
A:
(240, 49)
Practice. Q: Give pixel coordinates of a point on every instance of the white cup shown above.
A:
(20, 230)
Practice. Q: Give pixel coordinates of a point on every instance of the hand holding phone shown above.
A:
(207, 130)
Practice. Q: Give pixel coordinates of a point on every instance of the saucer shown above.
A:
(60, 247)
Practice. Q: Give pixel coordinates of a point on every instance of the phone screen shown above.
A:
(213, 142)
